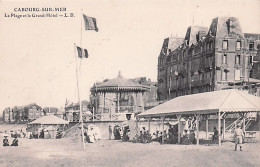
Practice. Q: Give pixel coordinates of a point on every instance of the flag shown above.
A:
(82, 53)
(90, 23)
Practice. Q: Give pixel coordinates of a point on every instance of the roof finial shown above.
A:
(119, 74)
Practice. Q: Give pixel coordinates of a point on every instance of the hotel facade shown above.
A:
(208, 59)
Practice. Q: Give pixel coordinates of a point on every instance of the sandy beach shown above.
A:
(70, 152)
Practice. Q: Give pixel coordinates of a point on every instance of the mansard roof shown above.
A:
(223, 27)
(192, 34)
(170, 43)
(252, 36)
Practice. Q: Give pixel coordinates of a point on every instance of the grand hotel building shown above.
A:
(221, 57)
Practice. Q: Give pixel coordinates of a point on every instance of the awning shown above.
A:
(231, 100)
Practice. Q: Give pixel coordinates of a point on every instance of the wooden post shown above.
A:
(110, 115)
(219, 124)
(136, 126)
(197, 127)
(244, 122)
(118, 100)
(142, 100)
(38, 132)
(224, 127)
(55, 132)
(93, 114)
(104, 107)
(162, 130)
(179, 128)
(135, 97)
(207, 126)
(149, 127)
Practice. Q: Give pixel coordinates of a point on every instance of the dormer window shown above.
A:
(210, 46)
(251, 46)
(238, 47)
(225, 45)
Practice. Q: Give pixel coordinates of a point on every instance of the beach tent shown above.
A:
(216, 102)
(47, 121)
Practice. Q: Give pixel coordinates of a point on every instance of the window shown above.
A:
(237, 75)
(251, 46)
(224, 75)
(250, 60)
(225, 44)
(224, 59)
(200, 75)
(238, 58)
(165, 51)
(210, 46)
(239, 45)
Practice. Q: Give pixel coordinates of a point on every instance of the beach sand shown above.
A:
(70, 152)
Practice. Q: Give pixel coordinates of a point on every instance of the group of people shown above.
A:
(144, 136)
(123, 133)
(188, 138)
(91, 133)
(6, 142)
(170, 136)
(239, 136)
(117, 132)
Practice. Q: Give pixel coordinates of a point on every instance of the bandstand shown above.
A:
(113, 99)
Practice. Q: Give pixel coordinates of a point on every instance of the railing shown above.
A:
(232, 126)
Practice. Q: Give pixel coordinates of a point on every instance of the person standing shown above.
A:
(110, 132)
(238, 135)
(91, 135)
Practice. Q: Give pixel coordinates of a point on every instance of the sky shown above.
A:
(37, 59)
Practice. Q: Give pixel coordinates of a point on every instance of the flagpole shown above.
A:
(78, 86)
(80, 42)
(80, 104)
(81, 28)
